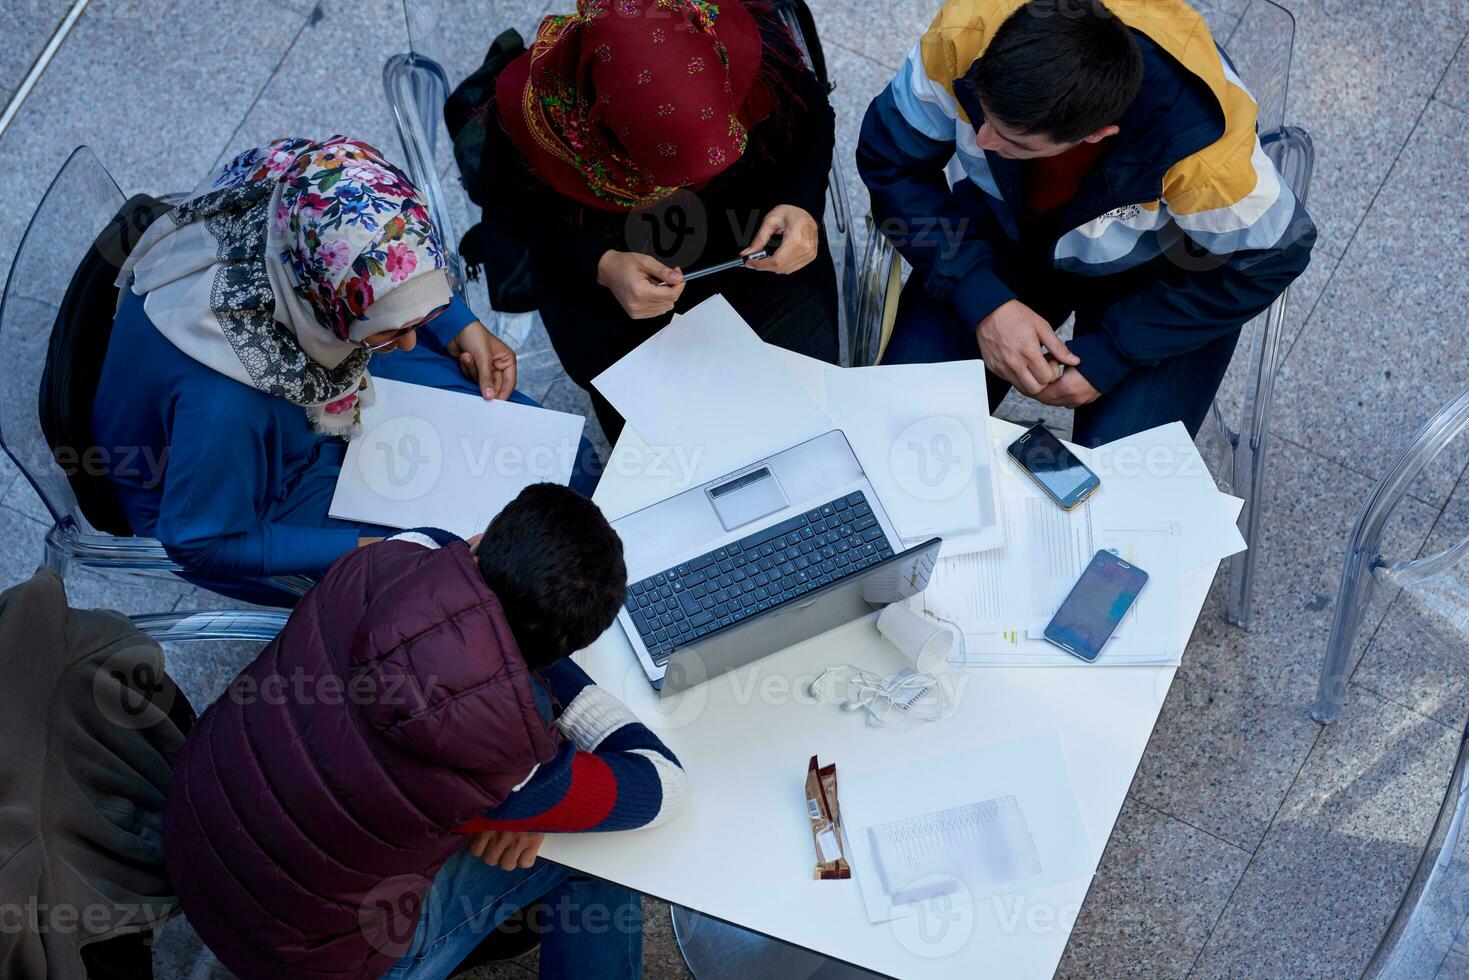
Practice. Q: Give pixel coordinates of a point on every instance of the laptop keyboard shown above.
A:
(785, 561)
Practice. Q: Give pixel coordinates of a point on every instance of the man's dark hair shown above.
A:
(1061, 69)
(556, 566)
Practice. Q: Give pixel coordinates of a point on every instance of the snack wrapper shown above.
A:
(826, 822)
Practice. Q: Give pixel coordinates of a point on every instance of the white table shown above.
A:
(741, 850)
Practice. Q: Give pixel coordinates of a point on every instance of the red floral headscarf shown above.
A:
(626, 101)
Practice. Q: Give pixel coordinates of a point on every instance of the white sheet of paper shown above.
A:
(1158, 475)
(1148, 634)
(709, 394)
(433, 458)
(922, 434)
(1004, 820)
(807, 370)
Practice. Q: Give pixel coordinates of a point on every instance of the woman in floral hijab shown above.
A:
(238, 362)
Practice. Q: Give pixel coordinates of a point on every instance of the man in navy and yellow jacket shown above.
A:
(1111, 168)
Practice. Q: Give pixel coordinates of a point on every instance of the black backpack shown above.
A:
(505, 263)
(74, 358)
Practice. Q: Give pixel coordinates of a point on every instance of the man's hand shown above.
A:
(1013, 341)
(644, 286)
(800, 240)
(507, 849)
(484, 359)
(1071, 390)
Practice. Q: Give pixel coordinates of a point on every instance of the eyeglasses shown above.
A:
(399, 334)
(390, 342)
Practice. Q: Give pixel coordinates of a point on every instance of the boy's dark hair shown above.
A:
(1062, 69)
(556, 566)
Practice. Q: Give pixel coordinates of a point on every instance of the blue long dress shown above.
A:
(234, 482)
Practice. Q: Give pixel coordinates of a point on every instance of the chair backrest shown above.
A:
(455, 33)
(1435, 907)
(446, 42)
(80, 337)
(81, 201)
(802, 23)
(1260, 47)
(417, 89)
(1365, 565)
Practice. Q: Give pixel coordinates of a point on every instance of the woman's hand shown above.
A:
(507, 849)
(644, 286)
(485, 359)
(801, 238)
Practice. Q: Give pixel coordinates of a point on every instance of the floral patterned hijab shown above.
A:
(622, 103)
(275, 273)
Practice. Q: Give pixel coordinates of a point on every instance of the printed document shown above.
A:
(1003, 820)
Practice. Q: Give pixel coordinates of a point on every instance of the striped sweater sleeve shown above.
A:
(611, 772)
(908, 136)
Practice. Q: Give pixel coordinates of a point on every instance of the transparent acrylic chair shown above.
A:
(81, 200)
(417, 87)
(1260, 46)
(1434, 586)
(1432, 914)
(446, 41)
(417, 84)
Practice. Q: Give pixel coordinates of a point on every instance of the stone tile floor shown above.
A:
(1253, 843)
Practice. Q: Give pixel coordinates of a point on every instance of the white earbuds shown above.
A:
(926, 643)
(879, 696)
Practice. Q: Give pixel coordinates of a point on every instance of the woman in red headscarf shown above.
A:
(639, 139)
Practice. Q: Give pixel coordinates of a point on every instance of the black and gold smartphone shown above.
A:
(1054, 468)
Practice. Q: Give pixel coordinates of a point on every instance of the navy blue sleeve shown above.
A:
(209, 513)
(450, 323)
(610, 773)
(903, 168)
(1196, 300)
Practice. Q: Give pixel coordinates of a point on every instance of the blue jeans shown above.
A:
(590, 928)
(1175, 389)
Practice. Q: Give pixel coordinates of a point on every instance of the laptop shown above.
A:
(759, 560)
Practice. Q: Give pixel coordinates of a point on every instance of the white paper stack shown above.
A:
(708, 395)
(922, 434)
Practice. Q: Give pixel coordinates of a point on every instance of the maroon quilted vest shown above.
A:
(315, 800)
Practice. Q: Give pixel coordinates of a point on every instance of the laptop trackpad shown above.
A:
(747, 498)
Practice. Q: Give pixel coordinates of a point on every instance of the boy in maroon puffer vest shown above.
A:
(368, 796)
